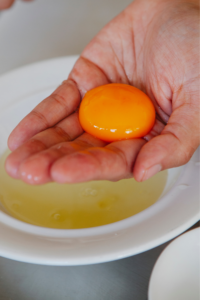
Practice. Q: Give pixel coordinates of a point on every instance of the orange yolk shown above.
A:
(116, 112)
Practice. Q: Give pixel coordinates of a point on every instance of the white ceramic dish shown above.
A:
(177, 209)
(176, 274)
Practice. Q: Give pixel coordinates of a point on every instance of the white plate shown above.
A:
(177, 209)
(176, 275)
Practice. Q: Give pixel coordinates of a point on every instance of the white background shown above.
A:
(42, 29)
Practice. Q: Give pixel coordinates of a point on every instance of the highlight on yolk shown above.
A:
(116, 111)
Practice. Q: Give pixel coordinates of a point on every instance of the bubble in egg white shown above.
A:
(56, 216)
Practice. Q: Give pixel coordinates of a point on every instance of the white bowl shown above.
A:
(176, 274)
(175, 211)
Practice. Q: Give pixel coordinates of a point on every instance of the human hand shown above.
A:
(153, 45)
(4, 4)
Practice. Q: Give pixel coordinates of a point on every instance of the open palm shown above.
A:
(153, 45)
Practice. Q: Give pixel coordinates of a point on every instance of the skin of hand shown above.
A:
(4, 4)
(152, 45)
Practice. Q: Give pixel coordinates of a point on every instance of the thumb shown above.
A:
(173, 147)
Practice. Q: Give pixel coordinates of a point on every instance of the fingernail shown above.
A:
(151, 172)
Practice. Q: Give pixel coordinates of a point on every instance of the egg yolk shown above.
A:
(116, 112)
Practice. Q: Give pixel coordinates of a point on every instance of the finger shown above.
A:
(156, 130)
(113, 162)
(174, 147)
(87, 75)
(36, 169)
(60, 104)
(66, 130)
(6, 3)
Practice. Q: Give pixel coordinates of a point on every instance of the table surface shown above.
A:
(27, 34)
(125, 279)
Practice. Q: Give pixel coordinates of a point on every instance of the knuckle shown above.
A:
(62, 133)
(40, 117)
(185, 153)
(58, 99)
(122, 158)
